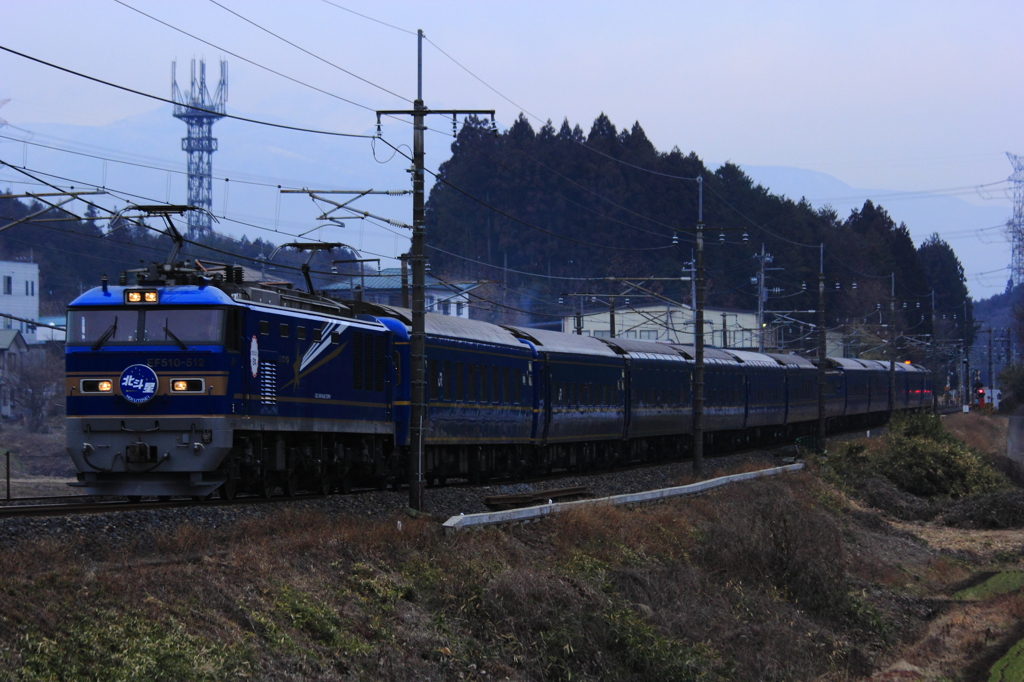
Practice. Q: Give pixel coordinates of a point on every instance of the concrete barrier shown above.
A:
(528, 514)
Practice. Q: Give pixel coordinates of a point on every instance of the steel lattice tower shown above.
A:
(1015, 226)
(200, 111)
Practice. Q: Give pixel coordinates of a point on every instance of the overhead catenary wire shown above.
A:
(364, 16)
(246, 59)
(304, 50)
(449, 57)
(169, 101)
(137, 164)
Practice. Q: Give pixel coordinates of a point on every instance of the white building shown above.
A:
(19, 296)
(722, 327)
(385, 288)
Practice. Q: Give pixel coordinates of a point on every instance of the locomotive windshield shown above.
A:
(151, 326)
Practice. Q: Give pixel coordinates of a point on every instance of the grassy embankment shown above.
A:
(790, 578)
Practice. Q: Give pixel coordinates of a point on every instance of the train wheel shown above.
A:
(291, 485)
(163, 498)
(346, 484)
(267, 487)
(134, 499)
(229, 490)
(326, 485)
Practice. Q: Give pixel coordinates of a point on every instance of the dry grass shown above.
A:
(745, 584)
(985, 434)
(776, 579)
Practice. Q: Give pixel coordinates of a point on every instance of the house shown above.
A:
(19, 297)
(13, 351)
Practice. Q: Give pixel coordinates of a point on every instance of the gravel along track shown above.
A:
(101, 532)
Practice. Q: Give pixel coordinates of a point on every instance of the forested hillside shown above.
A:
(546, 210)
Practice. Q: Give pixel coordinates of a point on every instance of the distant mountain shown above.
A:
(923, 214)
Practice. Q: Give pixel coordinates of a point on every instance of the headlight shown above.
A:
(141, 296)
(187, 385)
(96, 386)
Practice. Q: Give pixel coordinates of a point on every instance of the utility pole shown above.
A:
(698, 339)
(822, 350)
(991, 376)
(762, 294)
(892, 347)
(966, 365)
(611, 316)
(935, 357)
(414, 468)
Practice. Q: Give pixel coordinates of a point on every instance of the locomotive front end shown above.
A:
(148, 387)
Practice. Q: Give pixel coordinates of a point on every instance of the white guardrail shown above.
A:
(528, 514)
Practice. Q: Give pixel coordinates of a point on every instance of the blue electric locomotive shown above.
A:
(180, 386)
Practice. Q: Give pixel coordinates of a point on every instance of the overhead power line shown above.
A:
(364, 16)
(168, 101)
(304, 50)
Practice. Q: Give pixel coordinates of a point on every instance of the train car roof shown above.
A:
(636, 347)
(689, 352)
(906, 367)
(853, 364)
(559, 342)
(443, 325)
(457, 327)
(791, 359)
(751, 358)
(184, 294)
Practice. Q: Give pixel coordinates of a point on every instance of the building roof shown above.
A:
(11, 339)
(389, 279)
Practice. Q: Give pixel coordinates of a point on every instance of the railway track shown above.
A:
(26, 507)
(78, 504)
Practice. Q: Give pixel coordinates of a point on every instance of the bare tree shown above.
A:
(36, 388)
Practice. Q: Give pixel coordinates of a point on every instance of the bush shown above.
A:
(919, 457)
(1012, 381)
(769, 536)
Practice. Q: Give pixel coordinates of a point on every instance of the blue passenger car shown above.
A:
(585, 415)
(659, 399)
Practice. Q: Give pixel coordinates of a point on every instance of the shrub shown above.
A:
(919, 457)
(768, 535)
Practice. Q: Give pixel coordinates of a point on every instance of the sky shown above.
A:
(912, 100)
